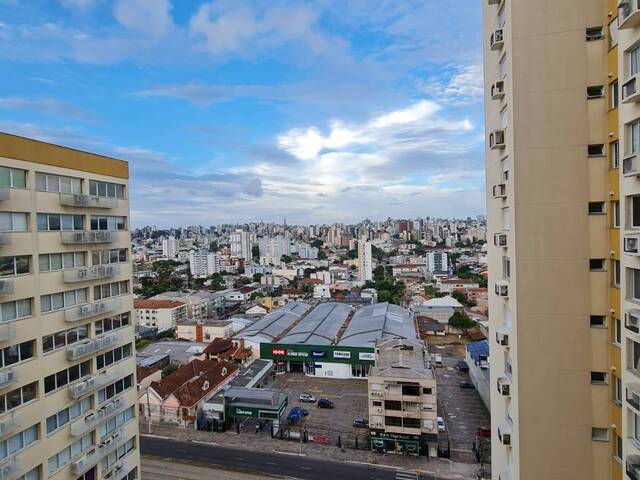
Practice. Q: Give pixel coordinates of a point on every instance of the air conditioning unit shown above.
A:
(497, 90)
(500, 190)
(502, 289)
(493, 2)
(630, 167)
(497, 139)
(504, 386)
(628, 14)
(502, 338)
(496, 41)
(632, 244)
(632, 320)
(8, 375)
(9, 423)
(504, 437)
(500, 239)
(630, 90)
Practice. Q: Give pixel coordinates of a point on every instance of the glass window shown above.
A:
(46, 182)
(634, 61)
(613, 94)
(13, 222)
(13, 310)
(13, 177)
(614, 149)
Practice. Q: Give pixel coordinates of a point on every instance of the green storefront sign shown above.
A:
(317, 353)
(274, 413)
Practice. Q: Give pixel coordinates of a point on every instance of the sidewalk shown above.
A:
(264, 442)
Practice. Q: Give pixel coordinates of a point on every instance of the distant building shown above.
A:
(274, 247)
(365, 268)
(449, 285)
(306, 251)
(477, 358)
(204, 330)
(203, 264)
(196, 306)
(160, 314)
(169, 247)
(241, 243)
(437, 261)
(440, 309)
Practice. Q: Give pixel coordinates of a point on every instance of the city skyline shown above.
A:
(290, 110)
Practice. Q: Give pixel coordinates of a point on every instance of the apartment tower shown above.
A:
(67, 381)
(554, 214)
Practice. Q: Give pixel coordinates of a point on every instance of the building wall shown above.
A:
(33, 156)
(546, 65)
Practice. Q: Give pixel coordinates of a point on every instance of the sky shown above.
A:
(237, 111)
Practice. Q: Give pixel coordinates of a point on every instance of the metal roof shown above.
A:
(273, 324)
(378, 321)
(320, 326)
(478, 350)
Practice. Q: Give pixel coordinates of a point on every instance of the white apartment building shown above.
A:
(437, 261)
(241, 243)
(196, 306)
(169, 247)
(365, 268)
(274, 247)
(160, 314)
(203, 264)
(67, 386)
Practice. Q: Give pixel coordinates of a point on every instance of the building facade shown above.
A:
(553, 217)
(203, 264)
(241, 243)
(67, 385)
(160, 314)
(169, 247)
(365, 268)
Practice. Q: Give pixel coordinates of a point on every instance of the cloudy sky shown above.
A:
(234, 110)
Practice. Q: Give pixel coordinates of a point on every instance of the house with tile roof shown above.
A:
(160, 314)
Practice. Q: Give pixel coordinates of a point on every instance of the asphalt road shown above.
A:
(269, 463)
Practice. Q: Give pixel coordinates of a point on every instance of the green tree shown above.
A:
(462, 298)
(168, 370)
(286, 259)
(241, 282)
(461, 320)
(257, 277)
(352, 254)
(317, 243)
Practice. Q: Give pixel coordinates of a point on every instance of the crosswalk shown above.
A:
(404, 475)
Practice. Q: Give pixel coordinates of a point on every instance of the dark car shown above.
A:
(462, 366)
(359, 422)
(305, 412)
(325, 403)
(295, 415)
(466, 385)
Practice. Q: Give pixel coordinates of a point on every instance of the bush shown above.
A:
(461, 320)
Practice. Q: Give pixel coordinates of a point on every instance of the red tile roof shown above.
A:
(143, 372)
(246, 289)
(218, 346)
(293, 291)
(155, 304)
(311, 281)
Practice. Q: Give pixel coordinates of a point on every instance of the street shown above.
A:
(269, 463)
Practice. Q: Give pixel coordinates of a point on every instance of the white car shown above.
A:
(307, 397)
(441, 426)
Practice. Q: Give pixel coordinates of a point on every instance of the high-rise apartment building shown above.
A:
(169, 247)
(563, 346)
(67, 384)
(241, 244)
(365, 271)
(203, 264)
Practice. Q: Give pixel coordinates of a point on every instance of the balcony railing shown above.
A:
(89, 422)
(87, 201)
(91, 309)
(92, 345)
(633, 467)
(9, 423)
(94, 382)
(5, 238)
(5, 193)
(91, 273)
(118, 472)
(8, 376)
(80, 237)
(98, 452)
(6, 287)
(10, 468)
(628, 14)
(7, 332)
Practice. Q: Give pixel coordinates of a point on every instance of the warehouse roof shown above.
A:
(378, 321)
(320, 326)
(275, 323)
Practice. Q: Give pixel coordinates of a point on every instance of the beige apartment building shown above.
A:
(403, 407)
(67, 386)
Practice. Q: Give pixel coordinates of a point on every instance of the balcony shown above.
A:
(10, 468)
(502, 336)
(500, 239)
(504, 433)
(118, 472)
(91, 345)
(5, 193)
(98, 452)
(92, 273)
(83, 237)
(6, 287)
(497, 90)
(628, 14)
(496, 41)
(87, 201)
(493, 2)
(502, 289)
(630, 90)
(5, 238)
(94, 382)
(630, 167)
(633, 395)
(497, 139)
(633, 467)
(7, 332)
(504, 386)
(90, 421)
(632, 244)
(8, 376)
(632, 321)
(9, 423)
(89, 310)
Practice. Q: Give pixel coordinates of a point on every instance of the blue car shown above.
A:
(295, 415)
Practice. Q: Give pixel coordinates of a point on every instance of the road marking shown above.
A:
(200, 442)
(374, 465)
(291, 453)
(306, 468)
(156, 436)
(406, 476)
(272, 463)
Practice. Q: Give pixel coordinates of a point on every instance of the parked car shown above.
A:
(360, 422)
(441, 425)
(295, 415)
(325, 403)
(462, 366)
(466, 385)
(307, 397)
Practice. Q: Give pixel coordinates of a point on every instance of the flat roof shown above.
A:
(179, 352)
(321, 325)
(378, 321)
(402, 358)
(275, 323)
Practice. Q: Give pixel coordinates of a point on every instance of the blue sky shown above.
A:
(317, 111)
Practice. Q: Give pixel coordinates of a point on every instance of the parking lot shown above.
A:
(349, 397)
(461, 408)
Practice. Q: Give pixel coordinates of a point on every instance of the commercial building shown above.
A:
(203, 330)
(365, 266)
(554, 210)
(160, 314)
(403, 408)
(67, 384)
(203, 264)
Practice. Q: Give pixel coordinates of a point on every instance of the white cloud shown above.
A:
(152, 17)
(464, 87)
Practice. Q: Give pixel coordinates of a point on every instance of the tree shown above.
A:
(217, 282)
(241, 282)
(213, 247)
(285, 259)
(352, 254)
(317, 243)
(378, 273)
(462, 298)
(461, 320)
(255, 295)
(168, 370)
(257, 277)
(322, 255)
(377, 253)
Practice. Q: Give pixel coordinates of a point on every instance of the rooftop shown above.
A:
(156, 304)
(207, 322)
(275, 323)
(320, 326)
(179, 352)
(378, 321)
(403, 358)
(447, 301)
